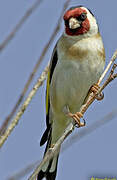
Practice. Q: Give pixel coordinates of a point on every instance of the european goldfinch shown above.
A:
(77, 63)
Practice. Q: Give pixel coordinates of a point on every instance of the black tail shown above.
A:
(47, 174)
(50, 169)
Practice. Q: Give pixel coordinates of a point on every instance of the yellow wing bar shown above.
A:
(47, 93)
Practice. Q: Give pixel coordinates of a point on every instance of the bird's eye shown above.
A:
(82, 17)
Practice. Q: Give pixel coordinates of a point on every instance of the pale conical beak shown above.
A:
(74, 23)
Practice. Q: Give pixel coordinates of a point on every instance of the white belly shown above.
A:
(70, 84)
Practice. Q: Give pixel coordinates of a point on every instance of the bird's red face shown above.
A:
(76, 22)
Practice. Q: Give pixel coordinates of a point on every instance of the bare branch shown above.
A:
(108, 67)
(10, 116)
(24, 171)
(50, 153)
(19, 24)
(24, 106)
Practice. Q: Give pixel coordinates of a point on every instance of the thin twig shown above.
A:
(24, 106)
(110, 78)
(108, 67)
(19, 24)
(20, 99)
(20, 174)
(50, 153)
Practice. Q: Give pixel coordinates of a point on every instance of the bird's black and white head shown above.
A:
(79, 21)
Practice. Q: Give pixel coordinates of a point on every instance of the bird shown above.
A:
(77, 63)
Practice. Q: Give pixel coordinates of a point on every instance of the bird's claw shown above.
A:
(77, 116)
(81, 124)
(95, 89)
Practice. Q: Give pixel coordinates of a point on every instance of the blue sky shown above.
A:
(94, 155)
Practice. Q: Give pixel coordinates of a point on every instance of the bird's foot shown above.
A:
(52, 145)
(77, 116)
(95, 89)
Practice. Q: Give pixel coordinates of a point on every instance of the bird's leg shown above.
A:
(76, 117)
(95, 89)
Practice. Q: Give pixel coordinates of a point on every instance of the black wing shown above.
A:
(53, 63)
